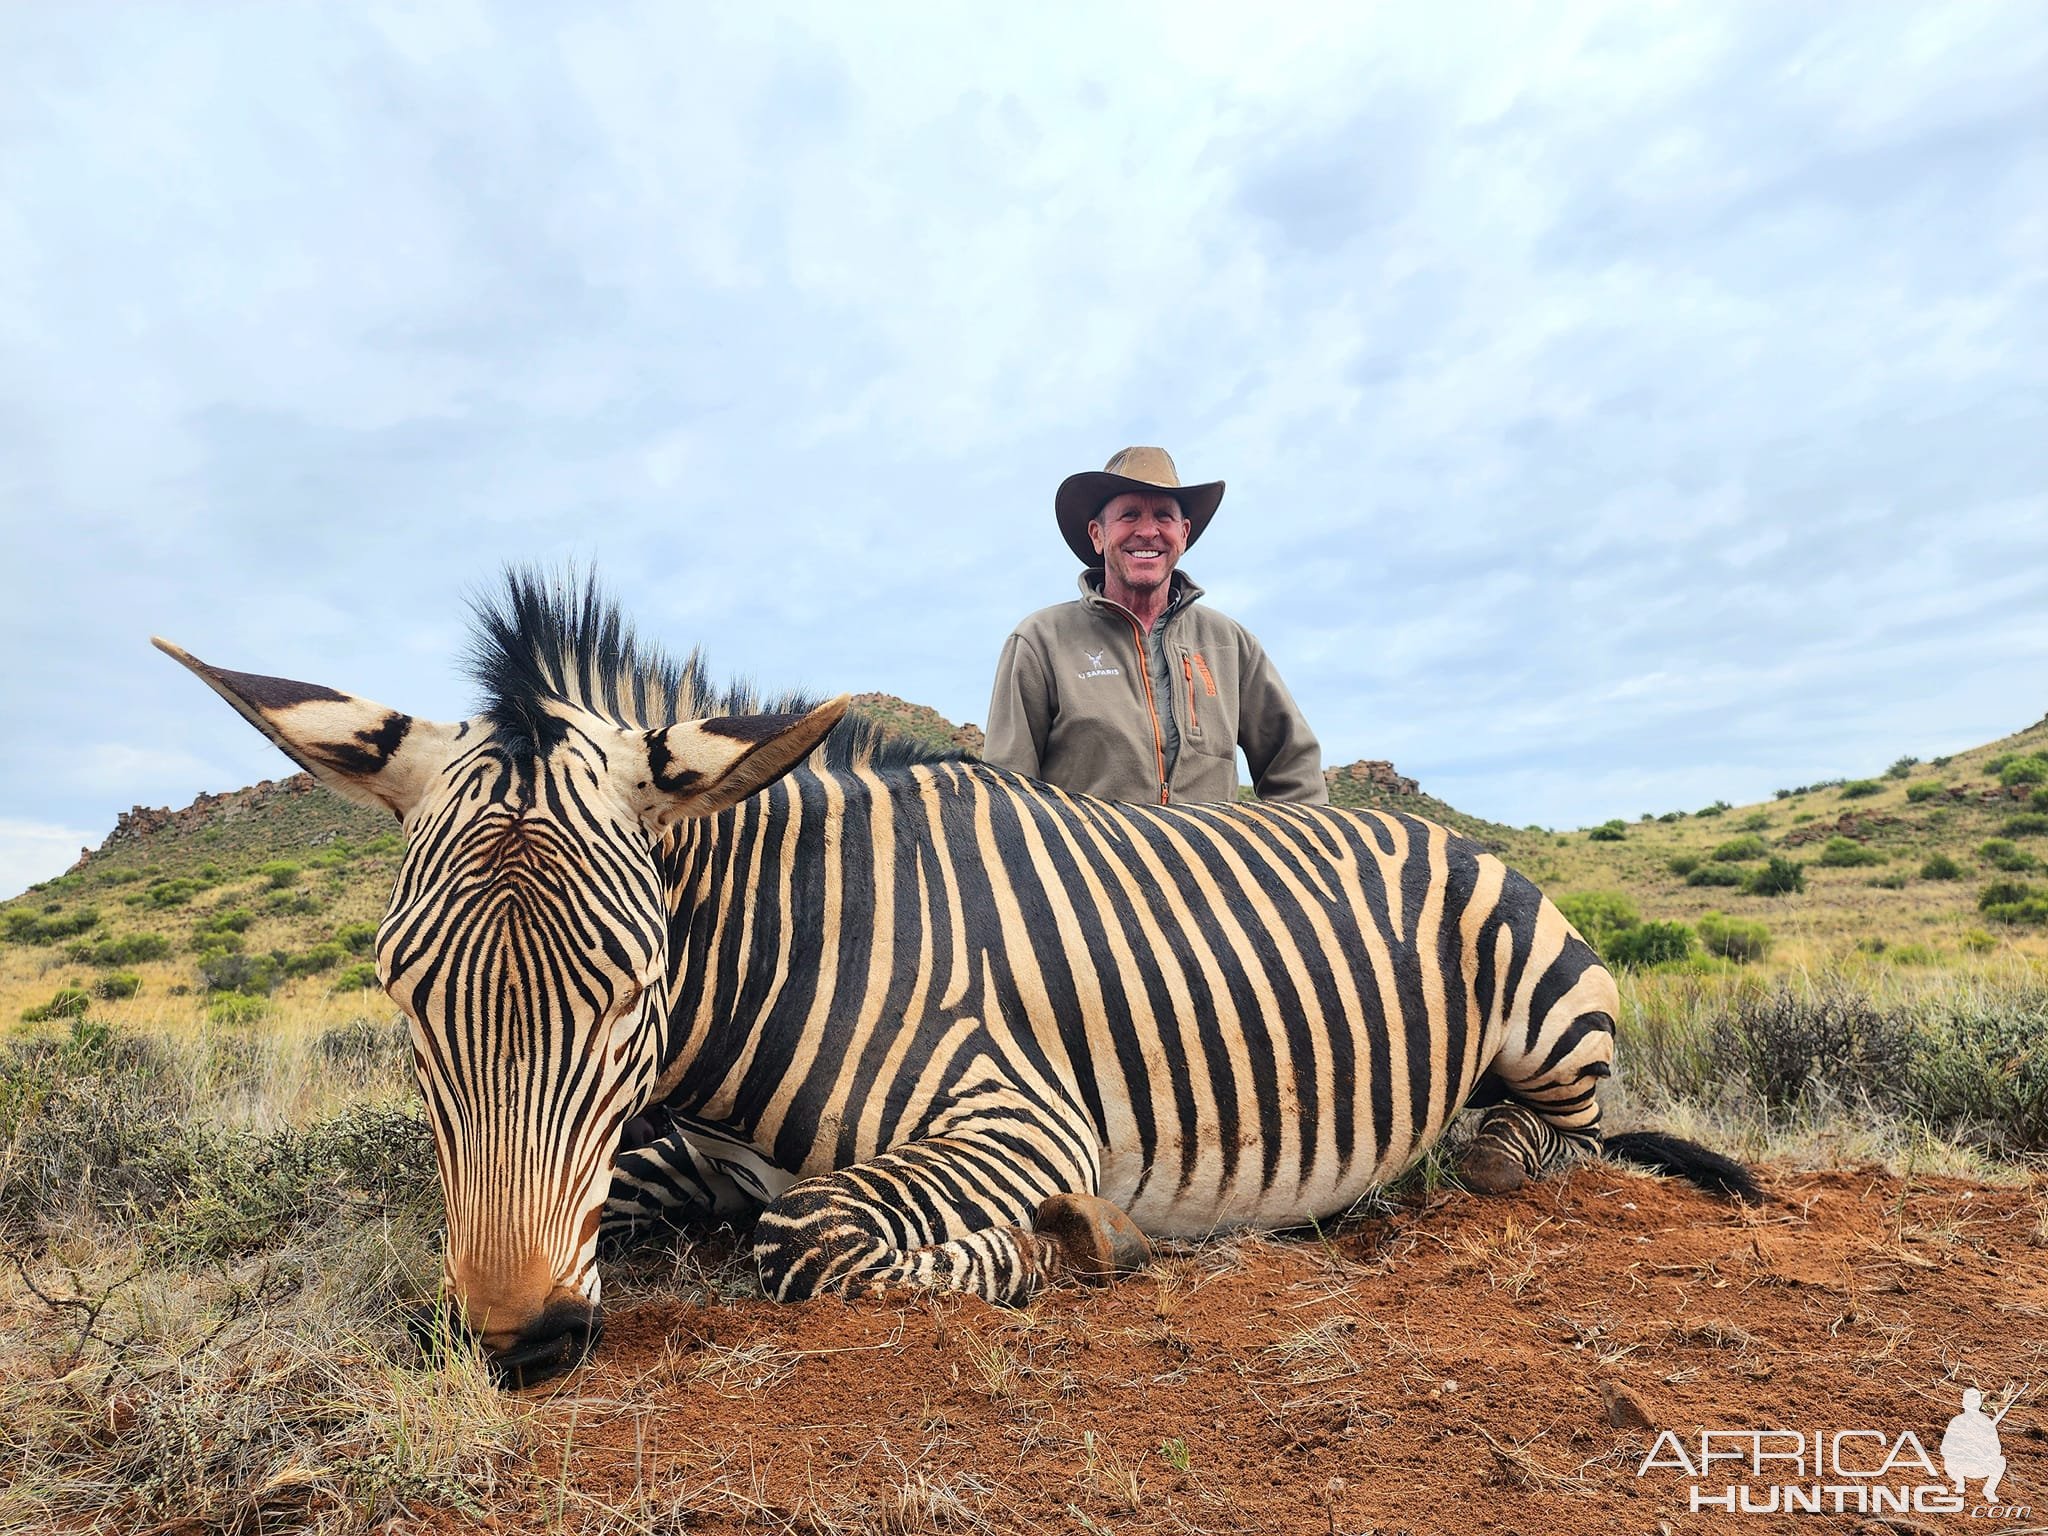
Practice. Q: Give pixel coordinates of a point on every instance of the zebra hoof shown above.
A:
(1487, 1170)
(1096, 1240)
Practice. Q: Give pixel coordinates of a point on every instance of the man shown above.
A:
(1134, 692)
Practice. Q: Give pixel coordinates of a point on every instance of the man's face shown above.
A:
(1140, 536)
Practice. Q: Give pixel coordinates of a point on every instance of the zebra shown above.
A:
(669, 951)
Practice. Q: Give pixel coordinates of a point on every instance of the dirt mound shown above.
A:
(1459, 1364)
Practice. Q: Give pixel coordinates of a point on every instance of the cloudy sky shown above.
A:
(1621, 407)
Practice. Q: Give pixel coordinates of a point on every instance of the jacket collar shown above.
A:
(1181, 593)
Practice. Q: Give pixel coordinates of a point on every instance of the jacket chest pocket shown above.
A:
(1198, 691)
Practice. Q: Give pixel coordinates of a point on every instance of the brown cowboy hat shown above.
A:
(1081, 497)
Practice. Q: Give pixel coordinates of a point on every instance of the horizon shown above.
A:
(1619, 412)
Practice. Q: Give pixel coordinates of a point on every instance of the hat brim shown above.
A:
(1080, 497)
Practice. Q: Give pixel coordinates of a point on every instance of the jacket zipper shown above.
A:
(1151, 707)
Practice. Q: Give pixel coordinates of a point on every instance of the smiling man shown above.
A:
(1134, 692)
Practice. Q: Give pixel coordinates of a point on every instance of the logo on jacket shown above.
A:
(1095, 666)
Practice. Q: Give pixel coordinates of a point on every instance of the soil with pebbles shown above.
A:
(1454, 1364)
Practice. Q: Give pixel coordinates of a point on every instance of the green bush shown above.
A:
(174, 892)
(1891, 880)
(250, 975)
(2027, 824)
(227, 920)
(2038, 800)
(1599, 916)
(2024, 770)
(128, 949)
(1734, 938)
(356, 977)
(1940, 866)
(1860, 789)
(1739, 850)
(1847, 853)
(1614, 831)
(356, 938)
(321, 957)
(1902, 769)
(2008, 901)
(1911, 954)
(2001, 853)
(1926, 789)
(1682, 864)
(68, 1003)
(23, 927)
(1652, 943)
(280, 873)
(117, 984)
(1715, 809)
(1976, 941)
(1714, 874)
(1778, 878)
(237, 1008)
(292, 904)
(1980, 1072)
(1757, 821)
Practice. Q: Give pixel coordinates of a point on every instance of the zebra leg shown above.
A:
(1517, 1143)
(665, 1175)
(988, 1208)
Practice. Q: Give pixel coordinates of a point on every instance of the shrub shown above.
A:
(1682, 864)
(1902, 769)
(1980, 1073)
(1976, 940)
(1805, 816)
(237, 1008)
(1740, 849)
(1781, 794)
(2029, 824)
(129, 949)
(1734, 938)
(1672, 816)
(1714, 874)
(227, 920)
(2024, 770)
(1940, 866)
(1599, 916)
(1860, 789)
(280, 873)
(1783, 1044)
(292, 903)
(1778, 878)
(321, 957)
(1715, 809)
(117, 984)
(1757, 821)
(1892, 880)
(22, 927)
(1609, 831)
(250, 975)
(2008, 901)
(1652, 943)
(2001, 853)
(1926, 789)
(174, 892)
(68, 1003)
(1910, 954)
(356, 938)
(1847, 853)
(356, 977)
(364, 1043)
(2038, 800)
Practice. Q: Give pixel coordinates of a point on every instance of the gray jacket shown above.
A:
(1074, 704)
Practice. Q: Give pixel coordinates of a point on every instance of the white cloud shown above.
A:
(31, 852)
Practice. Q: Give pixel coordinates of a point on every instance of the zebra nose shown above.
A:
(558, 1340)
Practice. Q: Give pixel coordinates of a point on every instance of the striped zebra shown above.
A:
(671, 952)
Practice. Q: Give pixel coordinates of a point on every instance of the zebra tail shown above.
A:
(1689, 1160)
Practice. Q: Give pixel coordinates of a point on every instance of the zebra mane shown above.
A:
(556, 638)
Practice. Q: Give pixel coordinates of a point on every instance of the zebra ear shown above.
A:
(700, 767)
(370, 754)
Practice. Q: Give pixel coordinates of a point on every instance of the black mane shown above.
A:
(558, 639)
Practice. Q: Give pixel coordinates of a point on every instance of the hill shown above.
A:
(273, 889)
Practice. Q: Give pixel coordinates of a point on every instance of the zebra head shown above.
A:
(526, 941)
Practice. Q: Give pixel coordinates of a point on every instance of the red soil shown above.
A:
(1465, 1364)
